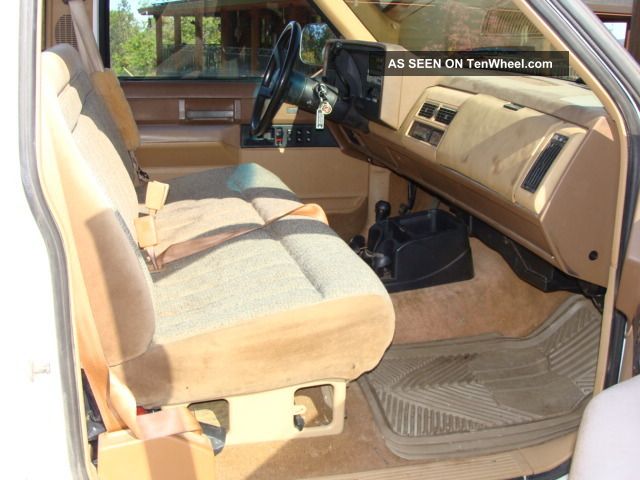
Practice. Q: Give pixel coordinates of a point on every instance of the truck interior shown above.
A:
(283, 263)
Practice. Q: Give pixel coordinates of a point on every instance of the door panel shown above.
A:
(187, 127)
(168, 101)
(173, 150)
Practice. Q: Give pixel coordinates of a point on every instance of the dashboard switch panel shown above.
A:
(291, 136)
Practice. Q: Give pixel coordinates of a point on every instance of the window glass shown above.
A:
(453, 26)
(198, 38)
(618, 29)
(450, 25)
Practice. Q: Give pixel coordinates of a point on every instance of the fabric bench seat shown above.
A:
(281, 306)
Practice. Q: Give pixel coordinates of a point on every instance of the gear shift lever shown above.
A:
(383, 209)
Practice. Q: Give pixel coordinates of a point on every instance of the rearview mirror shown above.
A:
(314, 37)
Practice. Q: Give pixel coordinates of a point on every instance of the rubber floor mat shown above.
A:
(488, 393)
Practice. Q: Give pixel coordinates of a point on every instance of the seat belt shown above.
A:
(148, 240)
(107, 85)
(87, 45)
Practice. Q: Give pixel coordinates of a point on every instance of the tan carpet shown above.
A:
(495, 301)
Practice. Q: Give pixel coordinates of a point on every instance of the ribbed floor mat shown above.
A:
(489, 393)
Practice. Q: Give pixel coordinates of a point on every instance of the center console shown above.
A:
(418, 250)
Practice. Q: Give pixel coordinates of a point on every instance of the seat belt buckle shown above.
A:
(146, 231)
(156, 196)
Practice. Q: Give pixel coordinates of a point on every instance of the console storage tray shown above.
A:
(421, 250)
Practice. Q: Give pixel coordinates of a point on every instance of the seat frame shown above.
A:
(274, 412)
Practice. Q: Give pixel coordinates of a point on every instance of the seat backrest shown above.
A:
(87, 179)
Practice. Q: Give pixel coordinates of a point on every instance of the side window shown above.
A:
(619, 28)
(198, 39)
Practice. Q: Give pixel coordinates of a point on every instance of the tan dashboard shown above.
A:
(535, 158)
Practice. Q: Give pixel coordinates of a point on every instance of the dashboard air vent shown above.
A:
(445, 115)
(428, 109)
(543, 163)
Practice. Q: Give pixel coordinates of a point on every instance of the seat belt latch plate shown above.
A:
(156, 196)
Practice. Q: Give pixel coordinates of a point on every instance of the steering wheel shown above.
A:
(275, 80)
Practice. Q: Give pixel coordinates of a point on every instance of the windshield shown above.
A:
(454, 26)
(450, 25)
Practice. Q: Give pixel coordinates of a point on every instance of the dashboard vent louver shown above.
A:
(428, 109)
(445, 115)
(543, 163)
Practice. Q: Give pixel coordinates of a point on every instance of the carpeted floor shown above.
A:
(495, 301)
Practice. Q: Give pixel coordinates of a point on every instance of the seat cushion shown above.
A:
(329, 340)
(233, 306)
(219, 200)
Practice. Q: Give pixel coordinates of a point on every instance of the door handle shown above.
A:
(209, 114)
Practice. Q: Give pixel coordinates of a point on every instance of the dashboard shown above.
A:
(536, 158)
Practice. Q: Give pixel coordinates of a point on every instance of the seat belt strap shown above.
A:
(117, 405)
(96, 369)
(107, 85)
(84, 35)
(163, 423)
(141, 176)
(177, 251)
